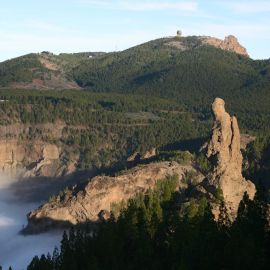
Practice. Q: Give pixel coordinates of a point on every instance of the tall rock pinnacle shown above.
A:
(223, 150)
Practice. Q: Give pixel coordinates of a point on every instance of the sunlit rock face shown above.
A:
(100, 194)
(223, 150)
(25, 159)
(230, 43)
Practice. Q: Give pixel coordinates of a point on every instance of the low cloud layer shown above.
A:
(17, 250)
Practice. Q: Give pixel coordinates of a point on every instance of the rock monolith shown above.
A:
(223, 150)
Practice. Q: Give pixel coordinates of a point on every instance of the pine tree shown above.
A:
(56, 259)
(223, 218)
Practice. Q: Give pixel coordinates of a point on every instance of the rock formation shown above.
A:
(95, 200)
(142, 157)
(24, 159)
(230, 43)
(23, 155)
(99, 195)
(223, 150)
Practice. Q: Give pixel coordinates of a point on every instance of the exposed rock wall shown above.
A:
(230, 43)
(20, 158)
(28, 150)
(223, 150)
(100, 193)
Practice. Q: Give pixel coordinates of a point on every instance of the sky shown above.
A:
(111, 25)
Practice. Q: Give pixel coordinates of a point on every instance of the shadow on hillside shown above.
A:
(38, 189)
(43, 225)
(192, 145)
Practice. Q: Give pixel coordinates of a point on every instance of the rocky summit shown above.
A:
(230, 43)
(223, 150)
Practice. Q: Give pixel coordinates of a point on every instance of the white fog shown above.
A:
(17, 250)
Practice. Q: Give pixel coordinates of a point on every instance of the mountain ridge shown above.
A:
(46, 70)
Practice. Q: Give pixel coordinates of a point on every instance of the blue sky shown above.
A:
(108, 25)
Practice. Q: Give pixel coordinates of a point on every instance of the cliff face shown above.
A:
(16, 156)
(223, 150)
(23, 159)
(230, 43)
(24, 153)
(99, 195)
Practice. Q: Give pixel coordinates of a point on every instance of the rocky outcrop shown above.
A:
(37, 150)
(150, 154)
(142, 157)
(223, 150)
(230, 43)
(99, 195)
(24, 159)
(12, 157)
(48, 163)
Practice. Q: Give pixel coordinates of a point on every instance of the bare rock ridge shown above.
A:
(230, 43)
(223, 150)
(99, 195)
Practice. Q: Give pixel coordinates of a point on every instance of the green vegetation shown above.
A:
(21, 70)
(150, 234)
(182, 157)
(258, 156)
(203, 163)
(191, 178)
(152, 95)
(191, 77)
(219, 194)
(101, 128)
(42, 67)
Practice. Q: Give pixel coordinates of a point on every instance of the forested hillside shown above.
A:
(193, 77)
(100, 128)
(42, 70)
(179, 68)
